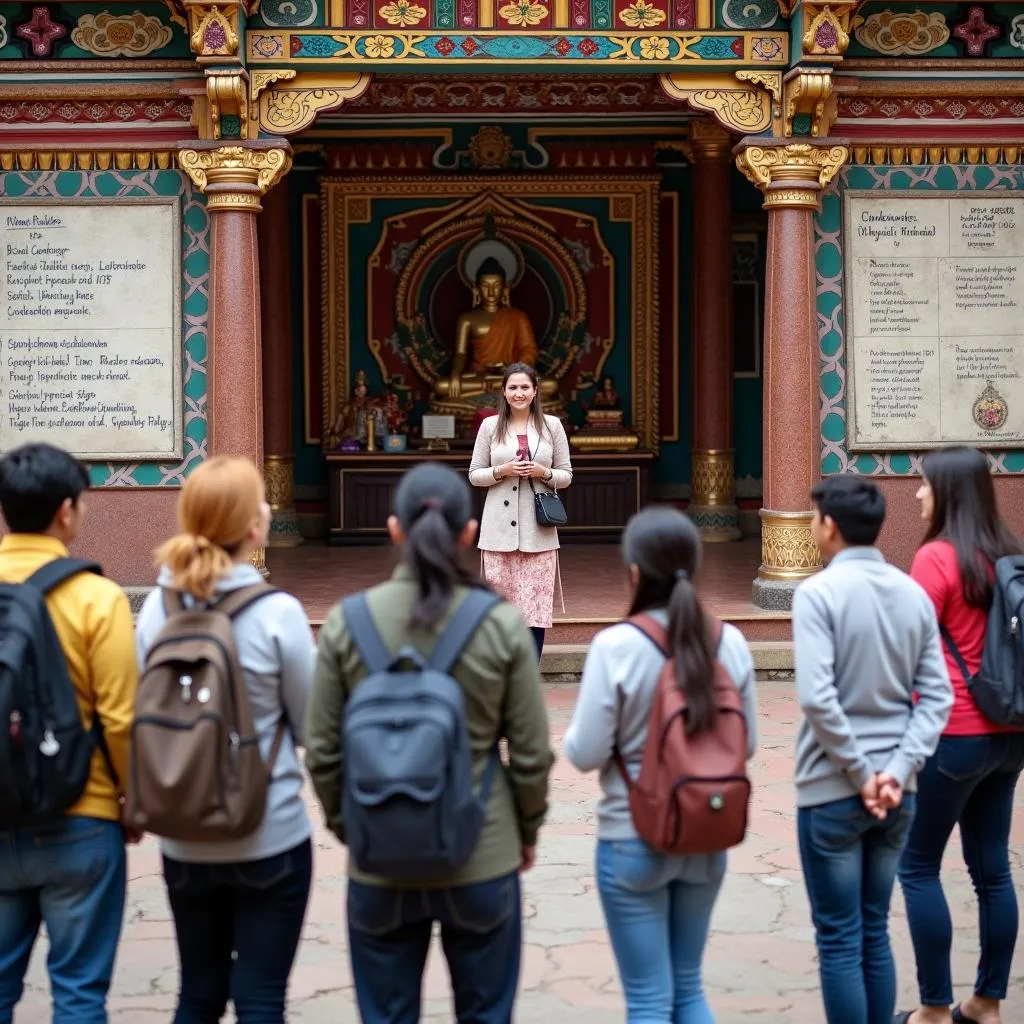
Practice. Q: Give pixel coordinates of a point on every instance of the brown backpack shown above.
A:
(195, 770)
(692, 793)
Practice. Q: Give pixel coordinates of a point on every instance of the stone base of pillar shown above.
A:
(712, 494)
(788, 556)
(716, 522)
(279, 478)
(284, 529)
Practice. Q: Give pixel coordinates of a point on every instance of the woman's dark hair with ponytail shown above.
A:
(433, 506)
(665, 547)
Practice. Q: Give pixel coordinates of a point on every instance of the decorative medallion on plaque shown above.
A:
(990, 410)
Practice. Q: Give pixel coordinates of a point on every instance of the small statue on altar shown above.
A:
(395, 415)
(492, 334)
(349, 430)
(607, 397)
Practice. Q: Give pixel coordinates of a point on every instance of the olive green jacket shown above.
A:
(498, 672)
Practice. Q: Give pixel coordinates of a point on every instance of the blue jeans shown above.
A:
(849, 860)
(658, 911)
(69, 875)
(238, 927)
(969, 780)
(389, 934)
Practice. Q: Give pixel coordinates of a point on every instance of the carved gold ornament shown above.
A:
(788, 551)
(234, 177)
(902, 33)
(712, 480)
(288, 106)
(810, 92)
(737, 106)
(792, 175)
(86, 160)
(279, 480)
(227, 94)
(214, 34)
(490, 149)
(949, 153)
(122, 35)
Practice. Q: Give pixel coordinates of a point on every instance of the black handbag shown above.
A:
(548, 506)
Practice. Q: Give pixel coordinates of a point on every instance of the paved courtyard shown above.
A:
(760, 963)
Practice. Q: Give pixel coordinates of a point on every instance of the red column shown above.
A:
(712, 497)
(792, 176)
(275, 302)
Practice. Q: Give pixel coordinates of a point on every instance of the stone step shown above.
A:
(564, 662)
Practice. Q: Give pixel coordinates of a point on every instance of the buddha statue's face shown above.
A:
(491, 288)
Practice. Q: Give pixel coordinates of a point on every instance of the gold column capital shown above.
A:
(709, 141)
(234, 177)
(792, 174)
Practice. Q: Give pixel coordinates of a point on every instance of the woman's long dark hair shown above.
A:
(505, 410)
(966, 515)
(665, 547)
(433, 506)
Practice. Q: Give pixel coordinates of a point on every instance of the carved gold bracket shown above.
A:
(743, 106)
(809, 92)
(285, 105)
(234, 177)
(792, 174)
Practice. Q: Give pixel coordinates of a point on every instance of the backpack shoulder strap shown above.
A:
(955, 651)
(652, 629)
(468, 616)
(363, 630)
(234, 602)
(59, 571)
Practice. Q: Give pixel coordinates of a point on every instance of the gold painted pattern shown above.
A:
(788, 551)
(712, 479)
(279, 480)
(86, 160)
(124, 35)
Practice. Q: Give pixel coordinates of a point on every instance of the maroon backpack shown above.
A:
(692, 793)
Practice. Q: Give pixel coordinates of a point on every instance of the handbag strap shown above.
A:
(551, 489)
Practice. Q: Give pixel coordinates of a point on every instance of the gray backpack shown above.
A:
(408, 804)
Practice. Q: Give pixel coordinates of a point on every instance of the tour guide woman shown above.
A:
(520, 445)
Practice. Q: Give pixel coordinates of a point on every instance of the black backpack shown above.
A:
(408, 804)
(45, 751)
(997, 688)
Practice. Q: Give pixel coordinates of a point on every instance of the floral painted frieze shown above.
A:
(903, 33)
(121, 35)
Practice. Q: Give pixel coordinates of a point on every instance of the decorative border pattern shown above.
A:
(195, 294)
(828, 269)
(369, 49)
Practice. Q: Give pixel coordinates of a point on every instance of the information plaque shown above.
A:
(90, 327)
(934, 333)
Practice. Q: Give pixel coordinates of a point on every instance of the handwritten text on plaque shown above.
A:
(935, 337)
(90, 331)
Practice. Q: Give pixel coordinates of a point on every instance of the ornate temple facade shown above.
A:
(750, 243)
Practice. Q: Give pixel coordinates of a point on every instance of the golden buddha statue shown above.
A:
(489, 337)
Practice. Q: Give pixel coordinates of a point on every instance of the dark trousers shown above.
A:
(849, 860)
(481, 934)
(969, 781)
(538, 639)
(238, 927)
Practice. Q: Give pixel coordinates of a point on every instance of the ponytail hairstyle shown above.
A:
(505, 410)
(217, 508)
(433, 506)
(665, 547)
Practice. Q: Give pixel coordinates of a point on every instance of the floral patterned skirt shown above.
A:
(525, 579)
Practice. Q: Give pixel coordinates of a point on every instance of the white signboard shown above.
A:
(90, 327)
(934, 325)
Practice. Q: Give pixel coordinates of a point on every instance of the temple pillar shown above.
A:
(792, 176)
(233, 179)
(712, 481)
(278, 433)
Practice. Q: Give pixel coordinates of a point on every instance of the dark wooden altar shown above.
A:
(607, 488)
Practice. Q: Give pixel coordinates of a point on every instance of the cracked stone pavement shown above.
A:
(760, 965)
